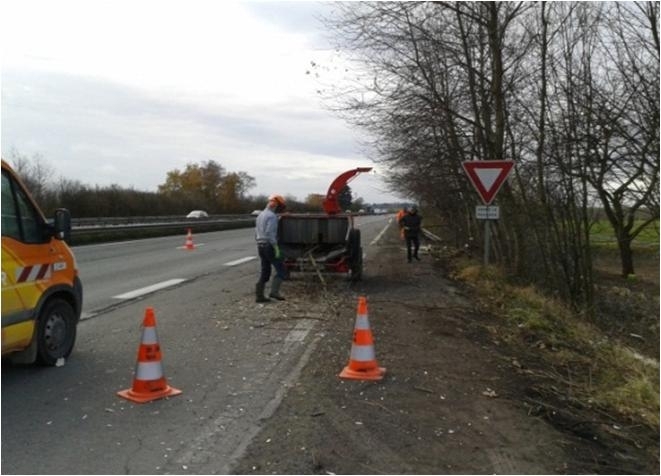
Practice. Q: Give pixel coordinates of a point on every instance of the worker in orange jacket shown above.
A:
(400, 215)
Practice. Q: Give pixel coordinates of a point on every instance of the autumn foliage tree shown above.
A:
(208, 186)
(204, 186)
(315, 201)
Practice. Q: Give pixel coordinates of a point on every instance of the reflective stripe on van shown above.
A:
(32, 273)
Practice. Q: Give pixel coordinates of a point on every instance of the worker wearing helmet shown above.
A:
(266, 234)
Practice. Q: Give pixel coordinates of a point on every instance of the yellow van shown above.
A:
(41, 292)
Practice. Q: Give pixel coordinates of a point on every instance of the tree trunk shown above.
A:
(626, 256)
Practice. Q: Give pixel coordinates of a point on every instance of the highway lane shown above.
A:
(114, 272)
(233, 360)
(229, 360)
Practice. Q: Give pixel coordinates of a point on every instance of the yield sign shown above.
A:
(487, 176)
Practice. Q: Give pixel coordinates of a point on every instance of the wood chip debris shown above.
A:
(490, 393)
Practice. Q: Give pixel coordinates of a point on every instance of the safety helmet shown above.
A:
(279, 199)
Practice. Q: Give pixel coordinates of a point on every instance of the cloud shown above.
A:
(123, 92)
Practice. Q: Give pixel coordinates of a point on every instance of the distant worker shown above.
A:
(266, 234)
(411, 224)
(400, 215)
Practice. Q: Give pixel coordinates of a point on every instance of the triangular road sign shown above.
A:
(487, 176)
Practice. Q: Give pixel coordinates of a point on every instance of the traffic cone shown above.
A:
(362, 363)
(149, 383)
(189, 241)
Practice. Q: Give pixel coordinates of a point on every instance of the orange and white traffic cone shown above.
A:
(362, 363)
(149, 383)
(189, 241)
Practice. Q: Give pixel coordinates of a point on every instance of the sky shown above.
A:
(122, 92)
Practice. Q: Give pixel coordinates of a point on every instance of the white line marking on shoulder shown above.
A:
(149, 289)
(240, 261)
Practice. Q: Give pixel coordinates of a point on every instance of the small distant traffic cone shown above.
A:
(362, 363)
(189, 241)
(149, 383)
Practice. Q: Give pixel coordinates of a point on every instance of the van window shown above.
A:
(27, 225)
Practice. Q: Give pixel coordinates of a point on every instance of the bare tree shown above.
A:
(623, 154)
(35, 172)
(569, 91)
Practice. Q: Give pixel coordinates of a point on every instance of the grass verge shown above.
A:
(575, 359)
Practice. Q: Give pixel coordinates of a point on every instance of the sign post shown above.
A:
(487, 176)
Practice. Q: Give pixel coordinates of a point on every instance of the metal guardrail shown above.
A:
(145, 220)
(100, 230)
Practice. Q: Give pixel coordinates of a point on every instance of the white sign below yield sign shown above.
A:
(487, 213)
(487, 176)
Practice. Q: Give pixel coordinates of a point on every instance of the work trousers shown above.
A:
(268, 259)
(412, 241)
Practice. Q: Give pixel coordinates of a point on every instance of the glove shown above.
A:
(278, 253)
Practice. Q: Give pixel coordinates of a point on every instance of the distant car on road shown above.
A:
(198, 214)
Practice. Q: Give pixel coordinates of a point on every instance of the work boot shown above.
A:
(259, 293)
(275, 289)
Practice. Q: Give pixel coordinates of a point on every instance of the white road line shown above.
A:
(217, 437)
(240, 261)
(298, 334)
(378, 237)
(149, 289)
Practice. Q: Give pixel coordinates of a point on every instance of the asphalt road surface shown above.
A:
(232, 368)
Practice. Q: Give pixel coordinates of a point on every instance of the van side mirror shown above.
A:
(62, 224)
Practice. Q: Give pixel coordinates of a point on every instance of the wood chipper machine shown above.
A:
(323, 242)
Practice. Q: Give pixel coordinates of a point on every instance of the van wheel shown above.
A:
(56, 331)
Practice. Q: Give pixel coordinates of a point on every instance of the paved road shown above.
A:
(232, 367)
(115, 272)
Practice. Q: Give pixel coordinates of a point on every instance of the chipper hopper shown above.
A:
(323, 242)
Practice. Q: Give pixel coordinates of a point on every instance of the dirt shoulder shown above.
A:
(453, 400)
